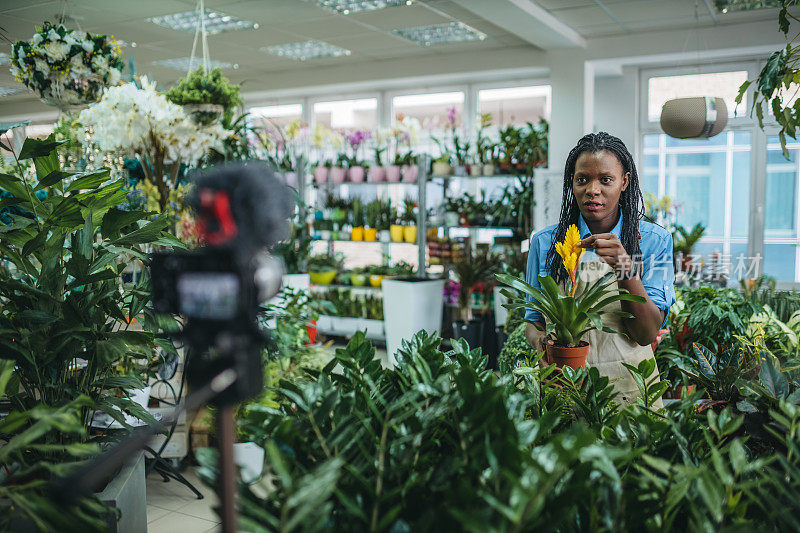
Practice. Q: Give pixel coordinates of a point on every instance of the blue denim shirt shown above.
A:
(658, 274)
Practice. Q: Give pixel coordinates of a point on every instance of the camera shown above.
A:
(219, 288)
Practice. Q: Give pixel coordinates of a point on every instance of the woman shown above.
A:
(602, 197)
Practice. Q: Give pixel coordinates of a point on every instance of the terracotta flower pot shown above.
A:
(370, 234)
(321, 174)
(393, 174)
(356, 174)
(409, 173)
(357, 234)
(410, 233)
(396, 232)
(571, 357)
(337, 174)
(376, 174)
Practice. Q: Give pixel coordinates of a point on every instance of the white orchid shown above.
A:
(100, 63)
(52, 35)
(37, 39)
(88, 45)
(56, 50)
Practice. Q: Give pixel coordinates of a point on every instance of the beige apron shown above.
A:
(607, 351)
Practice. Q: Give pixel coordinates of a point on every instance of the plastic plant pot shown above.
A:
(356, 174)
(410, 233)
(376, 280)
(376, 174)
(358, 280)
(441, 169)
(370, 234)
(396, 232)
(410, 305)
(357, 234)
(321, 174)
(571, 357)
(409, 173)
(322, 278)
(337, 174)
(393, 174)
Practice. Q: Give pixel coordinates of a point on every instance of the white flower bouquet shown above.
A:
(66, 67)
(132, 120)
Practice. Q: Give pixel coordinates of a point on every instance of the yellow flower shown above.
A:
(571, 254)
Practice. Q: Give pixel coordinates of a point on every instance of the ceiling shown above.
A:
(366, 34)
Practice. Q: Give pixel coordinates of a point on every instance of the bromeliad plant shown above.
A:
(569, 314)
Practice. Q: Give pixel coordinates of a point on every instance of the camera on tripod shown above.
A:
(218, 289)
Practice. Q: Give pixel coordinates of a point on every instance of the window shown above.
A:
(431, 110)
(515, 105)
(722, 84)
(345, 115)
(278, 116)
(709, 181)
(782, 212)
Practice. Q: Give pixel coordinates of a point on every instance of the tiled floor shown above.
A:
(173, 508)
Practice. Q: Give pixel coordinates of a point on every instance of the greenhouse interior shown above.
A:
(399, 265)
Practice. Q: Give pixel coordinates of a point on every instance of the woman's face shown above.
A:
(597, 184)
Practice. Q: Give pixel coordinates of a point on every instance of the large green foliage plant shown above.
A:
(68, 345)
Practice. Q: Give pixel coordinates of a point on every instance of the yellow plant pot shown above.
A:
(357, 234)
(376, 280)
(322, 278)
(370, 234)
(396, 232)
(410, 233)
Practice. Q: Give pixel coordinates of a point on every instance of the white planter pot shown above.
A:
(451, 219)
(408, 307)
(384, 235)
(297, 281)
(500, 312)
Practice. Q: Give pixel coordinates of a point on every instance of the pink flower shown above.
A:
(452, 114)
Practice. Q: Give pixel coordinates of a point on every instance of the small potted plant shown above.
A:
(321, 171)
(569, 314)
(452, 208)
(373, 221)
(409, 220)
(472, 268)
(684, 242)
(323, 268)
(358, 277)
(357, 233)
(377, 273)
(396, 227)
(356, 172)
(393, 172)
(205, 96)
(441, 166)
(377, 172)
(386, 220)
(338, 172)
(409, 169)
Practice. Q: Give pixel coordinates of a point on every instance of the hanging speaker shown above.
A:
(692, 118)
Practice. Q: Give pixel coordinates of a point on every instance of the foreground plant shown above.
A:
(67, 345)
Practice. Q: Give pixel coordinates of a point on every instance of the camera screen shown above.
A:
(208, 295)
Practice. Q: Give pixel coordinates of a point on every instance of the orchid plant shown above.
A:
(570, 314)
(356, 140)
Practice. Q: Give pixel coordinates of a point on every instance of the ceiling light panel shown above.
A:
(449, 32)
(215, 22)
(183, 63)
(347, 7)
(7, 91)
(306, 50)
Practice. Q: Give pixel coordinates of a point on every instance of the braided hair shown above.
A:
(631, 202)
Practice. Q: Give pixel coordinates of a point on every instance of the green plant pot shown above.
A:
(322, 278)
(358, 280)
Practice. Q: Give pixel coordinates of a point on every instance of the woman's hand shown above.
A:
(609, 248)
(538, 339)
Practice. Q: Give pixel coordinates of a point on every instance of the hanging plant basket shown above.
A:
(66, 68)
(204, 114)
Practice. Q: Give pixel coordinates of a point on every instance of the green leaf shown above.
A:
(772, 378)
(146, 234)
(14, 185)
(90, 180)
(116, 219)
(51, 179)
(33, 147)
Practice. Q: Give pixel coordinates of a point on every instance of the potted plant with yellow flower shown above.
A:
(570, 312)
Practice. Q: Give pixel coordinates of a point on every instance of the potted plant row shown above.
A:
(346, 169)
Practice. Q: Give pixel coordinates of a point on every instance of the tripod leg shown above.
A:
(226, 484)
